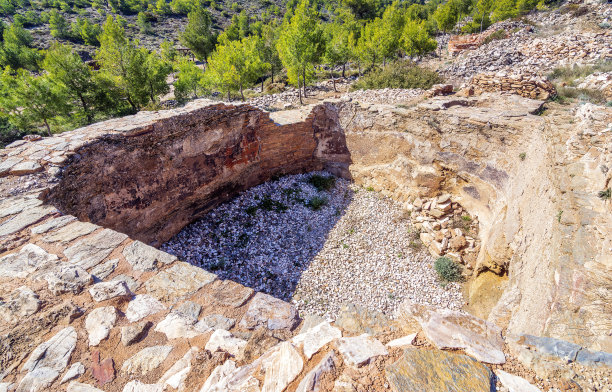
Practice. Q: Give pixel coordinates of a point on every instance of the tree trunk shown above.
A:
(343, 70)
(48, 127)
(241, 93)
(88, 113)
(331, 72)
(262, 82)
(304, 80)
(228, 96)
(300, 90)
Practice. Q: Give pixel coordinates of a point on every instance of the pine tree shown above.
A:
(58, 24)
(189, 78)
(198, 34)
(301, 44)
(416, 40)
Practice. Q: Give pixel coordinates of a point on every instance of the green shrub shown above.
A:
(317, 202)
(499, 34)
(447, 269)
(272, 205)
(522, 156)
(399, 74)
(605, 195)
(322, 183)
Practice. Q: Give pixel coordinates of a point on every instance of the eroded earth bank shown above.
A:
(87, 303)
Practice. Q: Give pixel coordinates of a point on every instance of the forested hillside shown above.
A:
(70, 63)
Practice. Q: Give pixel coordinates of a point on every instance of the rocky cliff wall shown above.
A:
(163, 173)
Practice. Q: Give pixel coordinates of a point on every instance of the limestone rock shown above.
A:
(90, 251)
(137, 386)
(141, 306)
(54, 353)
(515, 383)
(146, 360)
(7, 164)
(224, 340)
(189, 309)
(70, 232)
(99, 322)
(177, 325)
(218, 379)
(80, 387)
(19, 304)
(53, 224)
(358, 350)
(310, 321)
(28, 260)
(68, 279)
(218, 321)
(102, 271)
(231, 294)
(39, 379)
(452, 329)
(357, 319)
(281, 367)
(132, 283)
(315, 338)
(133, 333)
(176, 375)
(24, 219)
(311, 381)
(12, 206)
(178, 281)
(107, 290)
(403, 341)
(434, 370)
(27, 167)
(143, 257)
(75, 371)
(265, 310)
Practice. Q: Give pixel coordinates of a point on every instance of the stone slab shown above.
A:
(272, 313)
(178, 281)
(90, 251)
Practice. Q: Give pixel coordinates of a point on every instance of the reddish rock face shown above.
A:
(103, 371)
(152, 180)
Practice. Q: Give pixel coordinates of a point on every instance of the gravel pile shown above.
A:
(353, 248)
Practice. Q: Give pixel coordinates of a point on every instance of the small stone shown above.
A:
(311, 381)
(146, 360)
(176, 375)
(218, 321)
(68, 279)
(403, 341)
(282, 365)
(358, 350)
(228, 293)
(24, 219)
(225, 341)
(137, 386)
(458, 243)
(39, 379)
(515, 383)
(80, 387)
(53, 224)
(132, 283)
(131, 334)
(265, 310)
(102, 371)
(178, 281)
(70, 232)
(177, 325)
(143, 257)
(75, 371)
(27, 167)
(19, 304)
(106, 290)
(99, 322)
(102, 271)
(141, 306)
(54, 353)
(23, 263)
(315, 338)
(90, 251)
(189, 309)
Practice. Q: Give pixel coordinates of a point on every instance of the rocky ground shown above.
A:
(355, 248)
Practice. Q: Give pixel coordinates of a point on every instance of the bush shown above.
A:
(317, 202)
(448, 270)
(499, 34)
(322, 183)
(583, 94)
(400, 74)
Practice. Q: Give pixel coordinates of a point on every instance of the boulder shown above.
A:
(439, 371)
(272, 313)
(446, 328)
(359, 350)
(315, 338)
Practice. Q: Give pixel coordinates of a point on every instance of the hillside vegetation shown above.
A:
(48, 85)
